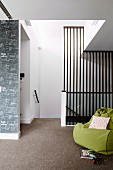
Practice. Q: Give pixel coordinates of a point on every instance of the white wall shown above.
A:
(34, 79)
(50, 35)
(33, 84)
(25, 82)
(50, 77)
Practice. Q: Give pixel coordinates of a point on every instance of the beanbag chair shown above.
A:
(98, 140)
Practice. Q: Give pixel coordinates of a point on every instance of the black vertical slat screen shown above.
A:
(88, 79)
(102, 59)
(106, 78)
(108, 67)
(73, 69)
(99, 77)
(92, 82)
(96, 80)
(67, 73)
(89, 83)
(64, 58)
(112, 74)
(70, 73)
(80, 69)
(76, 66)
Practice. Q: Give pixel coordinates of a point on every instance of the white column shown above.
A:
(63, 108)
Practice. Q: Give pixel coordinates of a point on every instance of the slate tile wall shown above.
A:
(9, 76)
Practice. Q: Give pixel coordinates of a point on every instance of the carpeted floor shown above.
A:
(45, 145)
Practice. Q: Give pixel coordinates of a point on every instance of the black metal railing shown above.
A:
(36, 96)
(88, 79)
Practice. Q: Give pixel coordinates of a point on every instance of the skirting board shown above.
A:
(27, 121)
(37, 116)
(12, 136)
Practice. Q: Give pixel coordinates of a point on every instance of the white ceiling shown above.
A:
(60, 9)
(67, 10)
(54, 28)
(2, 15)
(103, 40)
(45, 29)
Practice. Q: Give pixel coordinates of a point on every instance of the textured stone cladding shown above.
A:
(9, 76)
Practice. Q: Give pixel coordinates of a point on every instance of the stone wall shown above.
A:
(9, 76)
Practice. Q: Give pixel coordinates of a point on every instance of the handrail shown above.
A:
(36, 96)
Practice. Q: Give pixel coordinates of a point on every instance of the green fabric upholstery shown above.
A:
(99, 140)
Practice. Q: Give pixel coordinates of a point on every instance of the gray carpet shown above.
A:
(45, 145)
